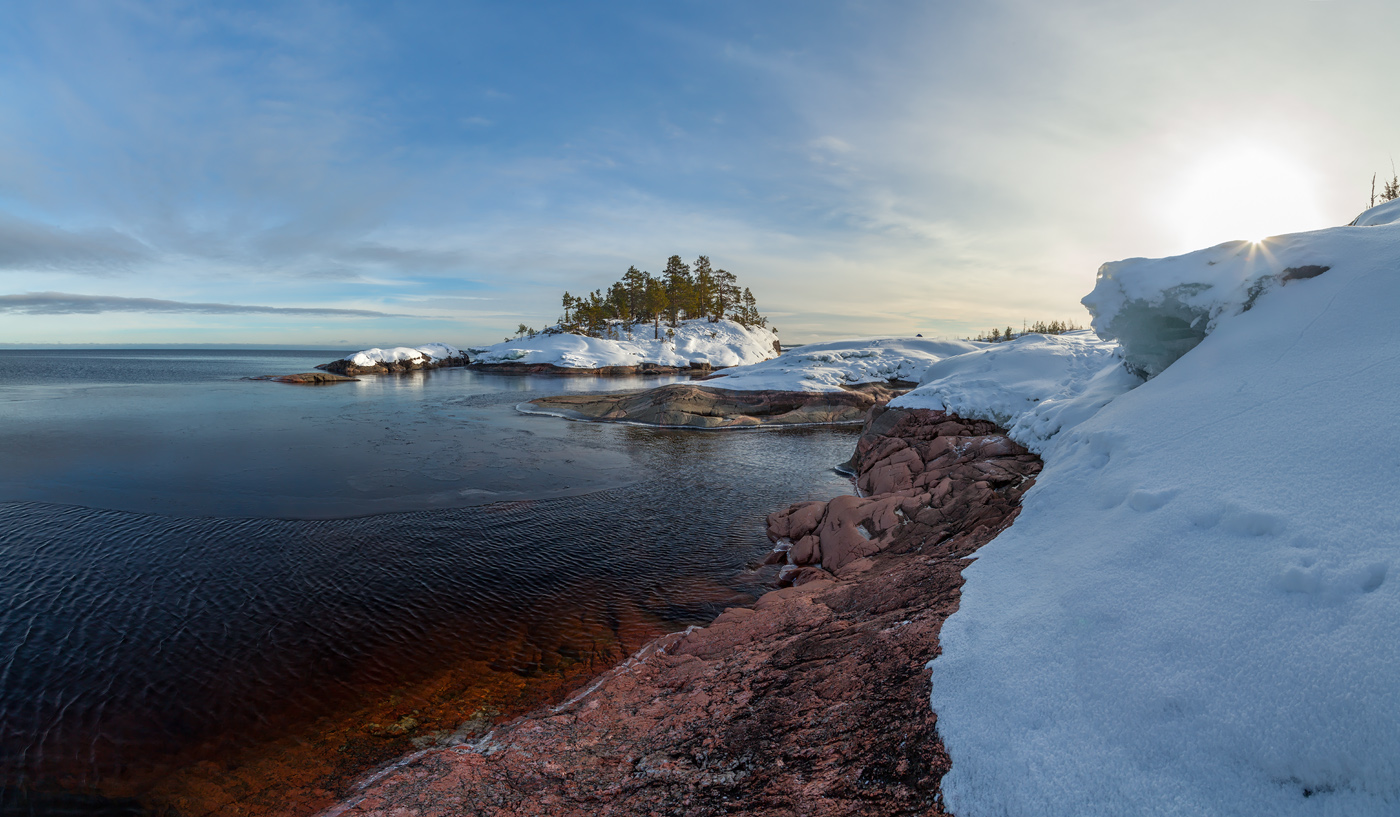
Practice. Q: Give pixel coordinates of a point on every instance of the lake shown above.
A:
(234, 596)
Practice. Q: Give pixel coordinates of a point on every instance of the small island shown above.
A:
(691, 319)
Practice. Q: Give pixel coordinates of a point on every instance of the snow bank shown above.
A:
(1196, 611)
(1034, 386)
(428, 351)
(723, 343)
(818, 367)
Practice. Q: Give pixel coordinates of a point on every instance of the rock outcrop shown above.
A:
(814, 701)
(398, 360)
(695, 406)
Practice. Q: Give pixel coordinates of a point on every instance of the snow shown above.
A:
(818, 367)
(430, 351)
(723, 343)
(1034, 386)
(1384, 213)
(1196, 611)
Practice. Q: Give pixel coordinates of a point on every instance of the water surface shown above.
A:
(194, 566)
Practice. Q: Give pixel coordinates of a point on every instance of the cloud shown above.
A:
(63, 303)
(28, 246)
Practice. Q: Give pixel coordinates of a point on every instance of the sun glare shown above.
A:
(1245, 192)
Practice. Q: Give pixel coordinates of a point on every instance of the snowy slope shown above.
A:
(1033, 386)
(818, 367)
(1196, 612)
(723, 343)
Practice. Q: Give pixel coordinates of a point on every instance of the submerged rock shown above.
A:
(695, 406)
(309, 378)
(814, 701)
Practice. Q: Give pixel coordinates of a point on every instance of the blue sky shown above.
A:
(413, 172)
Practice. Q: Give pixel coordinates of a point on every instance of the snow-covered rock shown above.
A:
(1196, 611)
(831, 366)
(397, 359)
(1033, 386)
(719, 344)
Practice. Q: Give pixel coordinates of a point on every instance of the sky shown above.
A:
(357, 174)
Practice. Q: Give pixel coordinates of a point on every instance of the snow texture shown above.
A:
(819, 367)
(723, 343)
(1196, 611)
(1033, 386)
(428, 351)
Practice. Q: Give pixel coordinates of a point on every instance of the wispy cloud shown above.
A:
(65, 303)
(28, 246)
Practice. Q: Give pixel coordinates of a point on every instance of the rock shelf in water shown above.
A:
(691, 405)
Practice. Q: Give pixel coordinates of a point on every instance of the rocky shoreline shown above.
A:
(814, 701)
(690, 405)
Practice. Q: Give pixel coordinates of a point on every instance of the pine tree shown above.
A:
(704, 287)
(679, 288)
(996, 336)
(656, 303)
(726, 293)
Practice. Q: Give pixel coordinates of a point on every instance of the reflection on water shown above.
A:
(207, 606)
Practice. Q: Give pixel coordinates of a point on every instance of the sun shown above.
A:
(1245, 191)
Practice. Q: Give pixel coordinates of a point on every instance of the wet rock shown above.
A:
(696, 406)
(309, 378)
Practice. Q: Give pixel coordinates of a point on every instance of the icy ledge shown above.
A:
(1160, 309)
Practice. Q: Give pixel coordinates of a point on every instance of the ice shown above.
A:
(1160, 309)
(1194, 614)
(723, 343)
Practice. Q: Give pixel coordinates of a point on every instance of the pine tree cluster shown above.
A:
(682, 292)
(1039, 328)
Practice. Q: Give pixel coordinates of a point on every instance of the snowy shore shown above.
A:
(1193, 613)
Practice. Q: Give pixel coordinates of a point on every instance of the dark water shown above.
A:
(188, 559)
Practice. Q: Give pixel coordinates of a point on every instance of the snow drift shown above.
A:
(723, 343)
(1195, 612)
(1033, 386)
(828, 367)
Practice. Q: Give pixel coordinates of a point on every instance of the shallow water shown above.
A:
(193, 565)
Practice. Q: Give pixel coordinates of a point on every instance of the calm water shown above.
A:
(189, 560)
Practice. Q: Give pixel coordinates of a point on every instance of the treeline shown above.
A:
(1037, 328)
(681, 292)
